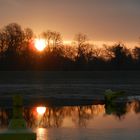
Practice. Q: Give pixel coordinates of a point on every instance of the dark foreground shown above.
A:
(89, 85)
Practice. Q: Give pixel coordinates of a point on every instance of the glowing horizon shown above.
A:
(116, 19)
(98, 43)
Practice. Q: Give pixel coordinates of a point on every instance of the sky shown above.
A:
(101, 20)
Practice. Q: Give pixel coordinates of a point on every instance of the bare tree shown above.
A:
(3, 42)
(28, 34)
(48, 37)
(54, 39)
(136, 53)
(121, 56)
(107, 52)
(28, 38)
(80, 41)
(14, 38)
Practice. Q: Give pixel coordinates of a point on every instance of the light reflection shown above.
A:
(76, 116)
(41, 134)
(133, 106)
(41, 110)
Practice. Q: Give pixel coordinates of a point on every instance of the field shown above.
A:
(89, 85)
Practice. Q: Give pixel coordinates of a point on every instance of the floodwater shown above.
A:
(68, 116)
(92, 122)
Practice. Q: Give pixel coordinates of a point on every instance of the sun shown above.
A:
(40, 44)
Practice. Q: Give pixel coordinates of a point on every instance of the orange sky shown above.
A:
(110, 20)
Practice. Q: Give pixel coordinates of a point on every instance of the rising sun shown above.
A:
(40, 44)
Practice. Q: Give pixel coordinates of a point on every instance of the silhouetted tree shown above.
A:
(136, 53)
(17, 52)
(81, 44)
(120, 56)
(14, 38)
(48, 36)
(54, 39)
(2, 42)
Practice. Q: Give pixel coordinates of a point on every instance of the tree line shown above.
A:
(17, 52)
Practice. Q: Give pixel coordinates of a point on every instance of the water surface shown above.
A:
(85, 122)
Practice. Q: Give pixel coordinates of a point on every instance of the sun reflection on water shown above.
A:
(41, 110)
(76, 116)
(42, 134)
